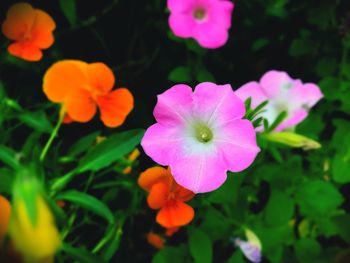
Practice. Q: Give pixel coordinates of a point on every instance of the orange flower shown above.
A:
(155, 240)
(171, 231)
(5, 212)
(30, 29)
(165, 194)
(82, 87)
(132, 157)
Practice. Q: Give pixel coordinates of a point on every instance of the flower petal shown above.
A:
(63, 77)
(175, 215)
(200, 173)
(295, 118)
(152, 176)
(210, 35)
(254, 91)
(237, 142)
(158, 195)
(5, 212)
(162, 143)
(221, 13)
(217, 103)
(183, 194)
(19, 20)
(101, 78)
(174, 105)
(41, 32)
(25, 51)
(115, 107)
(182, 25)
(273, 82)
(305, 96)
(178, 6)
(80, 105)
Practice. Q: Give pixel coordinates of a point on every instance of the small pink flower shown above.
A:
(284, 94)
(207, 21)
(201, 135)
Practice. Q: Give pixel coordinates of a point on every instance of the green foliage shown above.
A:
(200, 246)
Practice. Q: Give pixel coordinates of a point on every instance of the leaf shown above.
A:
(83, 144)
(280, 118)
(341, 168)
(342, 223)
(307, 250)
(205, 76)
(180, 74)
(170, 255)
(81, 254)
(326, 67)
(87, 202)
(110, 150)
(8, 156)
(236, 257)
(37, 120)
(279, 209)
(6, 180)
(69, 9)
(301, 47)
(201, 246)
(328, 85)
(318, 198)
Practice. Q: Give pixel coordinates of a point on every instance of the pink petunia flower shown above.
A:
(201, 135)
(284, 94)
(207, 21)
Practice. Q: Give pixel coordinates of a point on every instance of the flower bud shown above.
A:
(293, 140)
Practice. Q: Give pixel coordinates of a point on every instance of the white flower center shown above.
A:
(202, 133)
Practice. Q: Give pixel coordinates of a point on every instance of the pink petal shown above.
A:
(178, 6)
(199, 173)
(293, 120)
(174, 105)
(273, 82)
(237, 143)
(210, 35)
(306, 95)
(221, 12)
(252, 89)
(182, 25)
(217, 103)
(163, 144)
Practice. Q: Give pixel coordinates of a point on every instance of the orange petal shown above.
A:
(152, 176)
(183, 194)
(19, 21)
(5, 212)
(41, 32)
(158, 195)
(25, 51)
(155, 240)
(175, 214)
(115, 107)
(64, 76)
(80, 105)
(101, 78)
(171, 231)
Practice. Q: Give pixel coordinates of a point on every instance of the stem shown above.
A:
(61, 182)
(52, 137)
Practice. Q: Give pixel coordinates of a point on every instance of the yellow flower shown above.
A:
(38, 241)
(293, 140)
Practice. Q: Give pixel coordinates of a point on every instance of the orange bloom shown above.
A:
(5, 212)
(30, 29)
(165, 194)
(155, 240)
(82, 87)
(171, 231)
(132, 157)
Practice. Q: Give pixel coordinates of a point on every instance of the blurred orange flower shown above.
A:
(165, 194)
(155, 240)
(171, 231)
(30, 29)
(82, 87)
(5, 212)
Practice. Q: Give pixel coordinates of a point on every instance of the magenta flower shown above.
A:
(207, 21)
(284, 94)
(201, 135)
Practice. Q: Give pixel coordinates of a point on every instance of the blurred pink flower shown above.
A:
(207, 21)
(283, 94)
(201, 135)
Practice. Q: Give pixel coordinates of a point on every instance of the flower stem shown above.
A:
(52, 137)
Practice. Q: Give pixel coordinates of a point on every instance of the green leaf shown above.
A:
(110, 150)
(201, 246)
(195, 47)
(280, 118)
(81, 254)
(318, 198)
(279, 209)
(260, 43)
(307, 250)
(87, 202)
(301, 47)
(328, 85)
(236, 257)
(341, 168)
(83, 144)
(69, 9)
(180, 74)
(6, 179)
(326, 67)
(205, 76)
(342, 223)
(37, 120)
(170, 255)
(8, 156)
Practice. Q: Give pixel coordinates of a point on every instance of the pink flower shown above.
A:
(207, 21)
(201, 135)
(284, 94)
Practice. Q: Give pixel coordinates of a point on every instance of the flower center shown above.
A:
(199, 13)
(203, 133)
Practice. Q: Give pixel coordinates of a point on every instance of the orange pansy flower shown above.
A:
(155, 240)
(5, 212)
(82, 87)
(171, 231)
(165, 194)
(30, 29)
